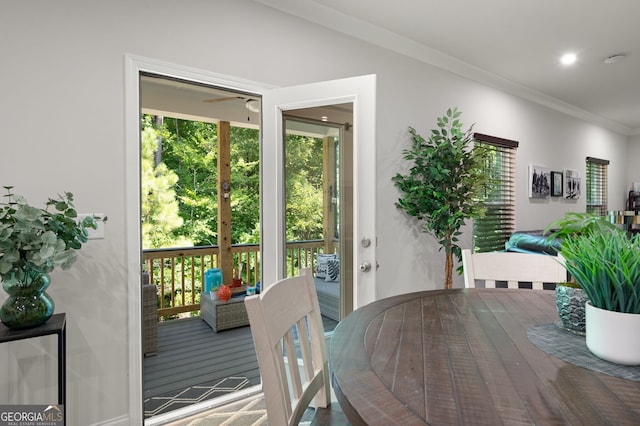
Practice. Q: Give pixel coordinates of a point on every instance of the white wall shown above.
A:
(61, 111)
(633, 161)
(546, 137)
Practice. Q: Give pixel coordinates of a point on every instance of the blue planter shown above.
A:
(212, 279)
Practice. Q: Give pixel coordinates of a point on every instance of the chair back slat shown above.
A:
(291, 366)
(286, 324)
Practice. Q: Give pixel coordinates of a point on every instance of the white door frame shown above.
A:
(359, 90)
(133, 66)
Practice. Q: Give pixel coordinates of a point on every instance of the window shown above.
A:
(492, 231)
(597, 183)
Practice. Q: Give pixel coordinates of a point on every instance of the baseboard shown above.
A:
(116, 421)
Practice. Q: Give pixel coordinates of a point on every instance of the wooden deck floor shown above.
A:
(190, 354)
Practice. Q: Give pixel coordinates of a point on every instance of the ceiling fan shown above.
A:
(252, 105)
(228, 98)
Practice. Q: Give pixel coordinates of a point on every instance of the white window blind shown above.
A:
(597, 184)
(492, 231)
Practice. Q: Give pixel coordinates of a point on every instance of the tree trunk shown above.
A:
(158, 155)
(448, 266)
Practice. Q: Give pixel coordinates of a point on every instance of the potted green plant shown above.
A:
(570, 298)
(442, 187)
(576, 223)
(606, 264)
(33, 242)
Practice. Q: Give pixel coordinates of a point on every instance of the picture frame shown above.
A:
(571, 184)
(556, 184)
(539, 182)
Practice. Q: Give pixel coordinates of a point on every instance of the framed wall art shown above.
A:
(539, 182)
(556, 184)
(571, 184)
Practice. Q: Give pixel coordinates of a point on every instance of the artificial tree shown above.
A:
(443, 185)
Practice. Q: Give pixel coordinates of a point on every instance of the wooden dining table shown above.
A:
(462, 356)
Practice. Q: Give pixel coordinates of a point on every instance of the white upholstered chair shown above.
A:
(514, 268)
(286, 317)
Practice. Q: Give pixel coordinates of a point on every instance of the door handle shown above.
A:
(365, 267)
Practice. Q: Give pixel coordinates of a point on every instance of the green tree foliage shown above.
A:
(159, 205)
(443, 184)
(190, 149)
(303, 192)
(245, 185)
(188, 173)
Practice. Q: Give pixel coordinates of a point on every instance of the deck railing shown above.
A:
(178, 272)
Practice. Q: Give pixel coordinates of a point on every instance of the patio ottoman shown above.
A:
(223, 315)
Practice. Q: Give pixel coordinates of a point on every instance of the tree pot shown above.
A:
(570, 302)
(613, 336)
(28, 304)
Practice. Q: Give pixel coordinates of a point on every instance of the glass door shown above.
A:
(359, 92)
(318, 188)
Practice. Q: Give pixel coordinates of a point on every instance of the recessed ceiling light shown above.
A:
(614, 58)
(568, 58)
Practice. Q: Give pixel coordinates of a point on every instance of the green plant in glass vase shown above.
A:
(33, 242)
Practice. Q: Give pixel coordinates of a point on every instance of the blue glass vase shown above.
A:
(212, 279)
(28, 304)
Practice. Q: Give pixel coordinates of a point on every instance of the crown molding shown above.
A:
(314, 12)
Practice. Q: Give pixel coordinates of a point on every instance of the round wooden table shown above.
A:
(462, 356)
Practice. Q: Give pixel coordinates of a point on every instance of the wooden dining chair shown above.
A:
(286, 324)
(514, 268)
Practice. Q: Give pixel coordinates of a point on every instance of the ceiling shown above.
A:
(514, 45)
(191, 101)
(187, 100)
